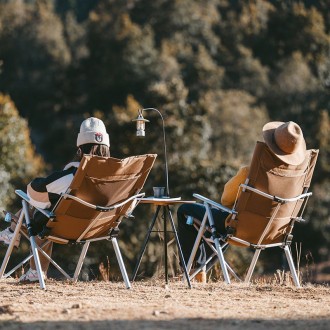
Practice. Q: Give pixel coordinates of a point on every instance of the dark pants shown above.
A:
(187, 233)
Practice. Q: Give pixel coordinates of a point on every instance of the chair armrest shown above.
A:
(25, 197)
(102, 208)
(275, 198)
(214, 204)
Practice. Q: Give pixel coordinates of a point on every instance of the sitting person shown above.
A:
(93, 139)
(287, 143)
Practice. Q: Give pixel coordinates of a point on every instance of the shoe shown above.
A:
(6, 237)
(31, 276)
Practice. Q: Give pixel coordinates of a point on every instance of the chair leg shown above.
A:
(59, 268)
(11, 245)
(222, 260)
(18, 266)
(217, 245)
(252, 266)
(291, 265)
(120, 262)
(34, 247)
(214, 259)
(81, 261)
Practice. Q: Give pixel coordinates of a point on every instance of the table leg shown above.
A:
(183, 263)
(165, 244)
(146, 240)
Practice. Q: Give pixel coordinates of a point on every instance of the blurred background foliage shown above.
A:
(216, 69)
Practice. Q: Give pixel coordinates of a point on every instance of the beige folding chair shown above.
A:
(267, 206)
(103, 191)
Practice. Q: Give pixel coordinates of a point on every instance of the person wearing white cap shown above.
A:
(285, 140)
(92, 139)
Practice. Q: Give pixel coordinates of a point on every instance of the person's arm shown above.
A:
(231, 187)
(43, 191)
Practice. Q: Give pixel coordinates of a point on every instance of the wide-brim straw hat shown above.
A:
(286, 141)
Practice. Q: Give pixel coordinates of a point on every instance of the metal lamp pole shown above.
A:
(140, 131)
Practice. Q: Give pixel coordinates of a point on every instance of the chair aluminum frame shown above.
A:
(208, 203)
(35, 248)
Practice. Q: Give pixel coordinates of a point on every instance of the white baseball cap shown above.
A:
(92, 130)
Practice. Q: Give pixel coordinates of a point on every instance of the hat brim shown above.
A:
(90, 137)
(295, 158)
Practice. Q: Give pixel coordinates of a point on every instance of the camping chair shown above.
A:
(267, 206)
(103, 191)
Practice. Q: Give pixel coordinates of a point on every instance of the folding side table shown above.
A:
(163, 204)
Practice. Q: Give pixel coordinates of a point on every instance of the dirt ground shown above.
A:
(153, 305)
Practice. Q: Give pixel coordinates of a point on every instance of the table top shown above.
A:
(163, 200)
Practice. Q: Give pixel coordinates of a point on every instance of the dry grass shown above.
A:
(153, 305)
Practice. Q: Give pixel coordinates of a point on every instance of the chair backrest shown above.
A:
(270, 175)
(103, 182)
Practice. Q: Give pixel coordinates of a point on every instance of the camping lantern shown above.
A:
(140, 124)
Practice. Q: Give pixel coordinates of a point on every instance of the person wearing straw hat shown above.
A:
(92, 139)
(286, 142)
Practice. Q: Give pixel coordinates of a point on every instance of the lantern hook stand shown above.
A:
(140, 131)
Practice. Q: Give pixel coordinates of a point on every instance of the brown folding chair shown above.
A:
(267, 206)
(103, 191)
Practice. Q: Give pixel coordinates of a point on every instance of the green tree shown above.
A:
(34, 54)
(19, 163)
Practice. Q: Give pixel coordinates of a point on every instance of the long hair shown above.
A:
(92, 149)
